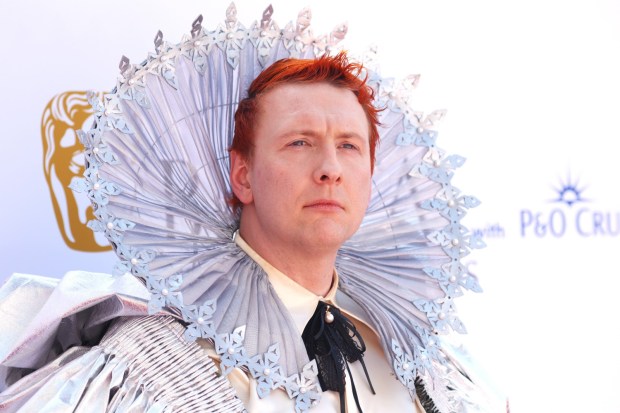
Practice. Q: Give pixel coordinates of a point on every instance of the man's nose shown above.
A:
(329, 168)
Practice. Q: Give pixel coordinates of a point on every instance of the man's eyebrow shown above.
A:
(311, 133)
(351, 135)
(298, 132)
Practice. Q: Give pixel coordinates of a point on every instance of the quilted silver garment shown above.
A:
(142, 364)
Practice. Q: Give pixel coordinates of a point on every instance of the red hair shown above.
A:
(334, 70)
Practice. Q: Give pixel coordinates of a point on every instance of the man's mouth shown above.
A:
(325, 204)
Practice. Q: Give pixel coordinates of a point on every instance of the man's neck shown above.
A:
(313, 270)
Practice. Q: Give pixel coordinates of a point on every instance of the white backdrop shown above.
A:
(533, 94)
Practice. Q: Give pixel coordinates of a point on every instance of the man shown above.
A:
(301, 164)
(276, 327)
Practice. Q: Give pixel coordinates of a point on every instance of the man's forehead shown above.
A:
(308, 102)
(305, 95)
(299, 89)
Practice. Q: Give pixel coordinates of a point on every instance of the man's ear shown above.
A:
(239, 177)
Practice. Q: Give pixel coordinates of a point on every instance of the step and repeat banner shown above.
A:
(533, 98)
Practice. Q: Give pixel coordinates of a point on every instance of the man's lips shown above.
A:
(326, 204)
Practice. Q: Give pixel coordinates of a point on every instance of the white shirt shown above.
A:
(391, 395)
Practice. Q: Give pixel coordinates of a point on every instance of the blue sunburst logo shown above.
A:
(569, 192)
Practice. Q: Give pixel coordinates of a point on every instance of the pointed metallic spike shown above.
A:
(339, 33)
(266, 20)
(124, 64)
(303, 19)
(231, 15)
(412, 81)
(159, 40)
(197, 26)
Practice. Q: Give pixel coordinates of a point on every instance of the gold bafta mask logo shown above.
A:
(62, 160)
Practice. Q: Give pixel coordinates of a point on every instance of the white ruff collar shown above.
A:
(157, 176)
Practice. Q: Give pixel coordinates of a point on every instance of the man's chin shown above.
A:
(328, 236)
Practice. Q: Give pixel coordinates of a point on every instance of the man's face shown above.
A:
(307, 184)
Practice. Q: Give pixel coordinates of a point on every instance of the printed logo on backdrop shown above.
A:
(570, 211)
(62, 160)
(491, 230)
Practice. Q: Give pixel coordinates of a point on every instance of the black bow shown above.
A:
(333, 341)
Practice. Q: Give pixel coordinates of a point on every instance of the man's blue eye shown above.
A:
(298, 143)
(348, 146)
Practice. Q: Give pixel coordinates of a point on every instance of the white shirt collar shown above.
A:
(300, 302)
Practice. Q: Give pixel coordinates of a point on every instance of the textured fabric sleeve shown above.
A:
(41, 318)
(141, 365)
